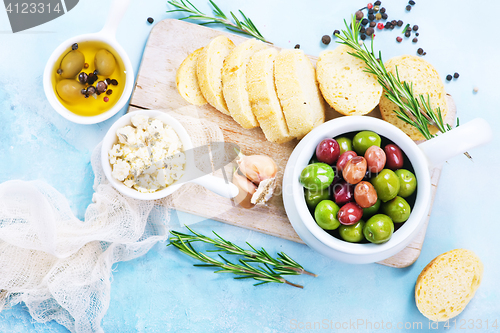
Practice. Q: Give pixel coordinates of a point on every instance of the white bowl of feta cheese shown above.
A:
(147, 155)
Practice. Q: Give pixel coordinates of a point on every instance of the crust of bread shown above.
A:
(447, 284)
(425, 80)
(186, 80)
(345, 85)
(298, 92)
(234, 82)
(263, 97)
(209, 71)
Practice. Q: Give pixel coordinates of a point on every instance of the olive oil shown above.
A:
(94, 104)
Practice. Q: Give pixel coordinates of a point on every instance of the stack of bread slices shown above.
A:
(256, 85)
(284, 94)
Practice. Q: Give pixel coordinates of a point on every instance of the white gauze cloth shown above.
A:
(59, 266)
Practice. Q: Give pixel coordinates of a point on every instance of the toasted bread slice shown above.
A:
(209, 71)
(447, 284)
(263, 97)
(425, 80)
(187, 80)
(344, 83)
(234, 82)
(298, 92)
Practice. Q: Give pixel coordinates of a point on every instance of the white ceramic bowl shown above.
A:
(107, 37)
(422, 157)
(215, 184)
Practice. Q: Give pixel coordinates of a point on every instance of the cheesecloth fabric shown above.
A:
(60, 266)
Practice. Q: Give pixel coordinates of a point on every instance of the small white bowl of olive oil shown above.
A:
(61, 79)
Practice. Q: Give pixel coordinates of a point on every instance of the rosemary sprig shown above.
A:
(246, 26)
(283, 264)
(414, 110)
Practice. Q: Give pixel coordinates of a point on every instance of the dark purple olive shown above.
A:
(344, 158)
(328, 151)
(394, 157)
(343, 192)
(350, 213)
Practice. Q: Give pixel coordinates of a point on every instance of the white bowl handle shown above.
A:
(116, 12)
(457, 141)
(217, 185)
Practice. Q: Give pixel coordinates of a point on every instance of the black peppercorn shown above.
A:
(388, 25)
(74, 46)
(109, 92)
(407, 34)
(362, 30)
(417, 34)
(408, 8)
(83, 91)
(456, 75)
(415, 27)
(359, 15)
(59, 71)
(326, 39)
(96, 72)
(400, 23)
(384, 16)
(420, 51)
(370, 11)
(371, 17)
(82, 77)
(377, 3)
(411, 2)
(297, 46)
(336, 32)
(370, 31)
(362, 36)
(91, 90)
(408, 28)
(101, 86)
(449, 77)
(394, 22)
(150, 20)
(414, 40)
(114, 82)
(364, 21)
(382, 10)
(373, 24)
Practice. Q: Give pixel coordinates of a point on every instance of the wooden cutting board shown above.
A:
(169, 43)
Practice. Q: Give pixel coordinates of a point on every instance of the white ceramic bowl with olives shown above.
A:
(420, 159)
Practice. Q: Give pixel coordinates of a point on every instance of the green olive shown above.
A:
(72, 64)
(69, 90)
(372, 210)
(325, 215)
(104, 62)
(364, 140)
(408, 182)
(344, 143)
(397, 209)
(386, 184)
(352, 233)
(378, 229)
(317, 176)
(314, 197)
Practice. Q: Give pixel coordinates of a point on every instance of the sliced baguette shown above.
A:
(425, 80)
(298, 92)
(234, 82)
(263, 97)
(209, 71)
(344, 83)
(447, 284)
(187, 80)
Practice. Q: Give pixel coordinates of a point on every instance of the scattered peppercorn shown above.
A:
(370, 31)
(449, 77)
(382, 10)
(362, 36)
(114, 82)
(369, 5)
(326, 39)
(378, 16)
(400, 23)
(408, 8)
(373, 24)
(370, 11)
(414, 40)
(101, 86)
(380, 26)
(83, 91)
(359, 15)
(91, 78)
(336, 32)
(394, 22)
(108, 81)
(456, 75)
(106, 99)
(407, 34)
(376, 8)
(364, 21)
(408, 28)
(74, 46)
(96, 72)
(388, 25)
(385, 16)
(297, 46)
(91, 90)
(411, 2)
(82, 77)
(417, 34)
(150, 20)
(425, 53)
(377, 3)
(371, 17)
(85, 65)
(415, 27)
(399, 39)
(109, 92)
(362, 30)
(420, 51)
(59, 71)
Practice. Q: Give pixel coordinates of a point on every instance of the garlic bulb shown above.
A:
(246, 191)
(257, 167)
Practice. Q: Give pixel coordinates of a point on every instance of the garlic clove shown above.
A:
(246, 191)
(257, 167)
(264, 191)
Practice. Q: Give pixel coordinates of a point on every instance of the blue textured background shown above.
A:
(162, 291)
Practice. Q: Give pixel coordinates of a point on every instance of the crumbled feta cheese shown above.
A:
(149, 155)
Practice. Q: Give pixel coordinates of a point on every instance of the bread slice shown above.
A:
(209, 71)
(344, 83)
(234, 82)
(187, 80)
(298, 92)
(263, 97)
(425, 81)
(447, 284)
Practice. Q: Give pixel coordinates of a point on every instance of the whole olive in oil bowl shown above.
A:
(104, 62)
(72, 64)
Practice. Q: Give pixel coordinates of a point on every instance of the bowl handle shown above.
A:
(217, 185)
(457, 141)
(116, 13)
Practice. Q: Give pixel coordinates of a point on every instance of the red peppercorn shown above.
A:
(369, 5)
(106, 99)
(399, 39)
(380, 26)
